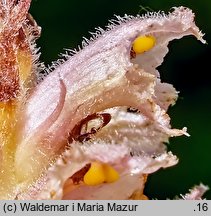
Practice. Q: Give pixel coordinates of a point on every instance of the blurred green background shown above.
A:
(187, 67)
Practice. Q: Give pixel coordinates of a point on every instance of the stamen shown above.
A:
(143, 43)
(100, 173)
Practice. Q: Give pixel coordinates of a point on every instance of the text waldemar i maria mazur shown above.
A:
(77, 207)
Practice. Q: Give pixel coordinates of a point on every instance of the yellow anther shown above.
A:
(110, 173)
(95, 174)
(143, 43)
(100, 173)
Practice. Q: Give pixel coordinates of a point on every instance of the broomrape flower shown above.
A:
(94, 125)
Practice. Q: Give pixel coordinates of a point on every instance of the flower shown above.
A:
(97, 122)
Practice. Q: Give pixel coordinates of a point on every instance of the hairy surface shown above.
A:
(101, 104)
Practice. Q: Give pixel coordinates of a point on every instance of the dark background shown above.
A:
(187, 67)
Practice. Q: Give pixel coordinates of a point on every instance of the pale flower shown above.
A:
(95, 125)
